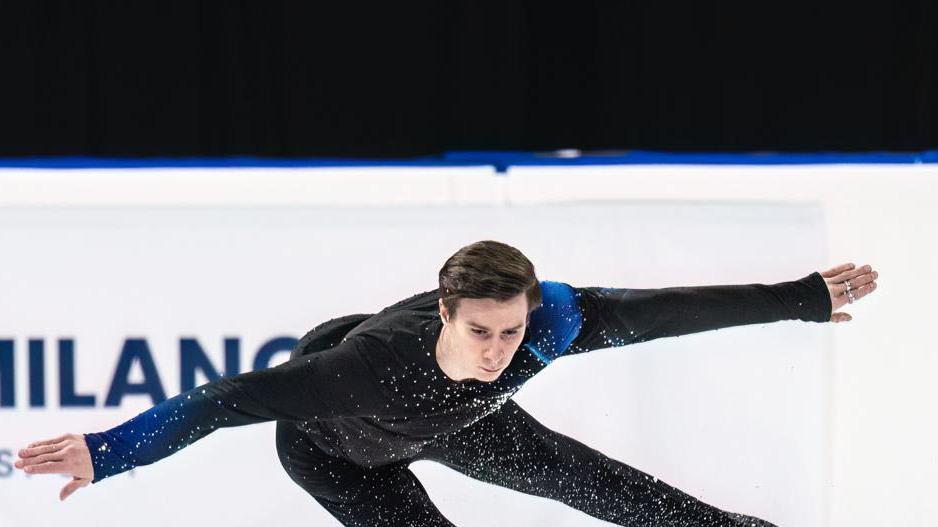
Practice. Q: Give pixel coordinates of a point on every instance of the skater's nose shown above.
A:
(493, 355)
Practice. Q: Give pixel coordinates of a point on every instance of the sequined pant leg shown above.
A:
(511, 449)
(357, 496)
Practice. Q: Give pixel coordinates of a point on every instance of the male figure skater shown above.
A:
(432, 376)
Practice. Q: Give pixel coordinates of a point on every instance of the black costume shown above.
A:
(363, 396)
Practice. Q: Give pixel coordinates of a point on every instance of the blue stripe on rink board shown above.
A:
(502, 161)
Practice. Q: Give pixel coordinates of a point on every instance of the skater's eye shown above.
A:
(479, 332)
(511, 332)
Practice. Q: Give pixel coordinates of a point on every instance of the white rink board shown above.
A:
(738, 417)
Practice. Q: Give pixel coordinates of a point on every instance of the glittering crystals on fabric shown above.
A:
(362, 396)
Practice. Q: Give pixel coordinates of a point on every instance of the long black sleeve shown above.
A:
(618, 317)
(339, 382)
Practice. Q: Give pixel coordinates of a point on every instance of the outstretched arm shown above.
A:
(322, 385)
(618, 317)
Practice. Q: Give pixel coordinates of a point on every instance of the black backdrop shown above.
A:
(399, 78)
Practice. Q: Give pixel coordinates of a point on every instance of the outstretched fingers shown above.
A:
(860, 292)
(49, 467)
(836, 270)
(851, 274)
(862, 282)
(52, 441)
(66, 454)
(42, 447)
(857, 283)
(69, 456)
(40, 459)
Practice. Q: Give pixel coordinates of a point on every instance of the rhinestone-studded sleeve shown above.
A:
(337, 382)
(618, 317)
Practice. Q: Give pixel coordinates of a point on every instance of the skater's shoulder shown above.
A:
(425, 301)
(552, 290)
(558, 299)
(395, 329)
(556, 323)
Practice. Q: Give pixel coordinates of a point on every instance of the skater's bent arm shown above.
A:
(322, 385)
(617, 317)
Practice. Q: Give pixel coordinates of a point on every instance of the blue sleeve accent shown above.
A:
(163, 430)
(556, 323)
(310, 387)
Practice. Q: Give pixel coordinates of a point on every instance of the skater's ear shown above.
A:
(444, 313)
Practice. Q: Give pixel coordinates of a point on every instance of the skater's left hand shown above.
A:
(862, 282)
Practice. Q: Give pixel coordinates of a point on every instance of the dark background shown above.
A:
(398, 79)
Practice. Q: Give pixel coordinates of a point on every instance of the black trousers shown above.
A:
(508, 448)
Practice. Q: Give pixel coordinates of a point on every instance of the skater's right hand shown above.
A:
(66, 454)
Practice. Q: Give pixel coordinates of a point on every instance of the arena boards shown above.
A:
(151, 299)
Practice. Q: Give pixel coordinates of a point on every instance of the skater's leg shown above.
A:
(356, 496)
(511, 449)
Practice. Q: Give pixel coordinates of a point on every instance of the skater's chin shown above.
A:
(489, 375)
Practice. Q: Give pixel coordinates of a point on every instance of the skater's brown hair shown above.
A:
(488, 269)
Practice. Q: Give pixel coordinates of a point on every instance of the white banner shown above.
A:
(103, 309)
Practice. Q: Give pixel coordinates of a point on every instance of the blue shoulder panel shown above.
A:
(556, 323)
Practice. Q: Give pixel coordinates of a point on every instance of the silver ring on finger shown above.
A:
(847, 283)
(850, 297)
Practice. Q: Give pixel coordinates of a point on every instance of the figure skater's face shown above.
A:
(480, 340)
